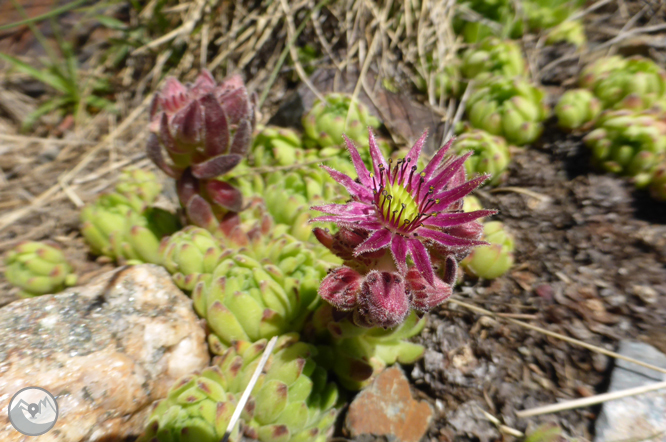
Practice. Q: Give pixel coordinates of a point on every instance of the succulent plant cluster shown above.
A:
(396, 231)
(257, 291)
(206, 130)
(396, 211)
(628, 143)
(124, 225)
(37, 268)
(293, 399)
(624, 102)
(511, 108)
(625, 83)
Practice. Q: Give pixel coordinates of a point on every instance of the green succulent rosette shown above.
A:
(37, 269)
(629, 144)
(493, 260)
(570, 31)
(254, 292)
(634, 83)
(112, 228)
(491, 154)
(658, 182)
(357, 354)
(511, 108)
(493, 57)
(292, 401)
(577, 109)
(123, 225)
(328, 120)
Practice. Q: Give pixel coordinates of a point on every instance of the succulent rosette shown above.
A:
(325, 123)
(123, 225)
(628, 143)
(38, 268)
(292, 401)
(577, 109)
(395, 212)
(634, 83)
(493, 260)
(658, 182)
(490, 154)
(511, 108)
(206, 130)
(492, 57)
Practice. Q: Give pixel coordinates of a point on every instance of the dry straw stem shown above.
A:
(564, 338)
(592, 400)
(246, 394)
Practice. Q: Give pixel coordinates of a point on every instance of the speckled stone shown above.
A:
(386, 408)
(106, 351)
(641, 417)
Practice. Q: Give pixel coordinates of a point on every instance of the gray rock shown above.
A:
(640, 417)
(106, 351)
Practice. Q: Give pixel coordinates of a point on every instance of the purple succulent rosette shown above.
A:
(396, 212)
(206, 130)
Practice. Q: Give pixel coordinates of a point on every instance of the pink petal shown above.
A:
(437, 159)
(454, 219)
(361, 170)
(448, 197)
(353, 208)
(355, 189)
(375, 153)
(448, 240)
(339, 218)
(399, 251)
(414, 153)
(448, 172)
(378, 240)
(421, 259)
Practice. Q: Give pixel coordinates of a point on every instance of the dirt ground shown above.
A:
(590, 250)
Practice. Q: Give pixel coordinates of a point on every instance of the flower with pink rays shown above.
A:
(205, 129)
(396, 212)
